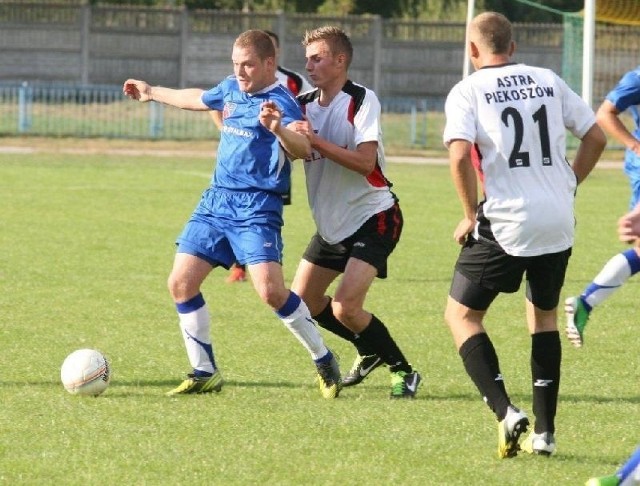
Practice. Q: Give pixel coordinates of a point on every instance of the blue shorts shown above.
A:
(632, 169)
(228, 226)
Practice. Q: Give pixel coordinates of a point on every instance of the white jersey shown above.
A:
(293, 81)
(516, 116)
(341, 200)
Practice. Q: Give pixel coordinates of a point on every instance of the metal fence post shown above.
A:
(425, 111)
(377, 52)
(24, 105)
(156, 119)
(281, 30)
(184, 47)
(413, 131)
(85, 32)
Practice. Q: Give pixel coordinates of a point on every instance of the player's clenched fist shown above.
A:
(137, 90)
(270, 116)
(303, 127)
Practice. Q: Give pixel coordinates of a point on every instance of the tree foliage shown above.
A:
(515, 10)
(522, 12)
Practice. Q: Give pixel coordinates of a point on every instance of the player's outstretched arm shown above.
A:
(589, 151)
(186, 99)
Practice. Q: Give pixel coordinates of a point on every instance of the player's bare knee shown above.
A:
(455, 313)
(172, 285)
(274, 298)
(448, 315)
(345, 311)
(179, 288)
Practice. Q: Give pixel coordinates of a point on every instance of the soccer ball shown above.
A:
(85, 372)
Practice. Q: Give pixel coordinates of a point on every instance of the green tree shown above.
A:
(456, 10)
(337, 7)
(211, 4)
(517, 11)
(384, 8)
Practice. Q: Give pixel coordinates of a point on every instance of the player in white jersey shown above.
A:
(240, 214)
(513, 117)
(358, 218)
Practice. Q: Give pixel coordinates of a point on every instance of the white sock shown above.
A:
(195, 324)
(615, 272)
(295, 315)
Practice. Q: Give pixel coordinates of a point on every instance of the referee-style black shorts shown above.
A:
(374, 241)
(483, 270)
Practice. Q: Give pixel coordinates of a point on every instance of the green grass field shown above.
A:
(87, 244)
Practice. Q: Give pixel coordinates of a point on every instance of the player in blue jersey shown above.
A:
(294, 82)
(240, 214)
(625, 96)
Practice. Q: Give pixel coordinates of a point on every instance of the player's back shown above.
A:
(517, 115)
(523, 114)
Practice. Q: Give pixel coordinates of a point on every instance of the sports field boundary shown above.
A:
(198, 149)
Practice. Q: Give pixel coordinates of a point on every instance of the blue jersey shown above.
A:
(250, 156)
(626, 95)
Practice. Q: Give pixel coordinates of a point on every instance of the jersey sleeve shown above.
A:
(290, 107)
(460, 117)
(577, 115)
(627, 92)
(214, 97)
(306, 85)
(367, 120)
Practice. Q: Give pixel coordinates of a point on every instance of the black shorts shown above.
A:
(483, 270)
(286, 197)
(373, 242)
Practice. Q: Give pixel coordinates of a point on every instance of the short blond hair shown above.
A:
(259, 41)
(336, 38)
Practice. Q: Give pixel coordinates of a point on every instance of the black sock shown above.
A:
(328, 321)
(377, 337)
(546, 355)
(481, 362)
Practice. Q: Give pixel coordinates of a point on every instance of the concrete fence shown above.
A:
(98, 44)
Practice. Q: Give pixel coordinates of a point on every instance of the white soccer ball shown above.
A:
(85, 372)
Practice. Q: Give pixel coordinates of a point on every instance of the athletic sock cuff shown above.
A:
(325, 359)
(191, 305)
(290, 306)
(546, 344)
(325, 314)
(633, 259)
(472, 343)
